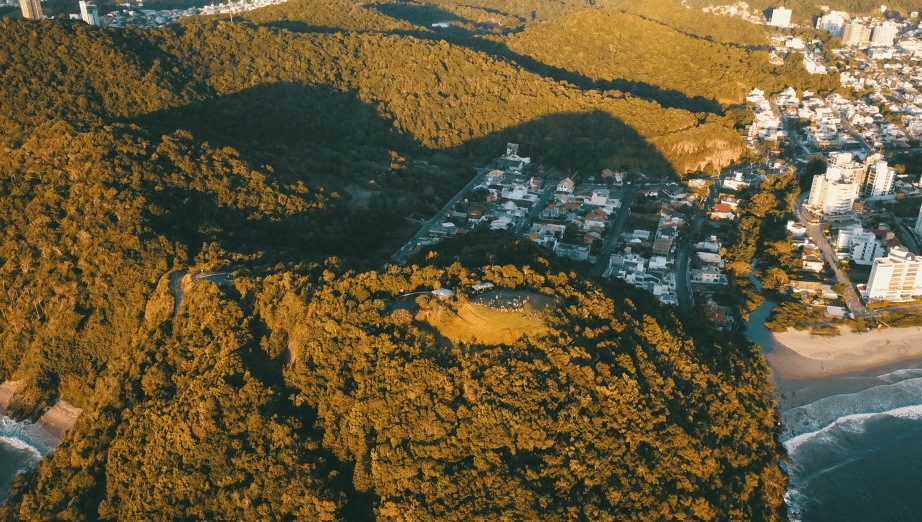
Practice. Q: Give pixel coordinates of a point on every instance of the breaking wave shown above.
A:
(852, 446)
(22, 446)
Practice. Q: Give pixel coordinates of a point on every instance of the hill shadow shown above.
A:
(425, 15)
(575, 142)
(331, 141)
(292, 133)
(273, 117)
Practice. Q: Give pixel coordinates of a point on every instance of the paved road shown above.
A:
(793, 136)
(682, 281)
(617, 226)
(401, 256)
(815, 232)
(537, 208)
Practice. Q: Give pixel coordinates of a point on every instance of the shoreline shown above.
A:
(807, 368)
(55, 421)
(59, 418)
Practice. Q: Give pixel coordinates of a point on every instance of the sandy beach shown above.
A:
(56, 421)
(60, 418)
(806, 368)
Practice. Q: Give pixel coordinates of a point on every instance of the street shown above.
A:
(617, 227)
(815, 233)
(682, 281)
(401, 256)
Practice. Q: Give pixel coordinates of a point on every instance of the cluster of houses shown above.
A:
(135, 15)
(576, 219)
(571, 219)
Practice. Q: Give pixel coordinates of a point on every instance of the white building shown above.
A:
(879, 180)
(797, 230)
(89, 13)
(883, 35)
(781, 17)
(895, 277)
(859, 245)
(856, 34)
(833, 22)
(834, 192)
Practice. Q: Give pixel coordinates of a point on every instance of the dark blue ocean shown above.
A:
(22, 446)
(858, 457)
(854, 457)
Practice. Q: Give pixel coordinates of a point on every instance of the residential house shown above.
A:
(596, 220)
(566, 186)
(599, 197)
(711, 258)
(723, 211)
(708, 275)
(665, 236)
(552, 211)
(811, 260)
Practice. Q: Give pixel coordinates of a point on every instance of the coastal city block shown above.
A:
(855, 226)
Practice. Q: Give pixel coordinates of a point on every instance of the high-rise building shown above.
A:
(831, 195)
(856, 34)
(879, 179)
(780, 17)
(883, 35)
(89, 13)
(835, 192)
(833, 22)
(895, 277)
(31, 9)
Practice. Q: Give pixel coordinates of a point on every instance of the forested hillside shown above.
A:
(467, 97)
(319, 394)
(196, 225)
(611, 45)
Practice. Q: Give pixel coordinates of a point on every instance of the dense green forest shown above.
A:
(646, 51)
(317, 393)
(196, 223)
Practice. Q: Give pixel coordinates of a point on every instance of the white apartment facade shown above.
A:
(833, 22)
(879, 180)
(883, 34)
(918, 228)
(835, 192)
(781, 17)
(895, 277)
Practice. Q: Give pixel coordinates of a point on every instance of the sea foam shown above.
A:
(851, 442)
(813, 417)
(25, 435)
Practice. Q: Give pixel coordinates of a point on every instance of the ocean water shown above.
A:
(858, 457)
(22, 446)
(854, 457)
